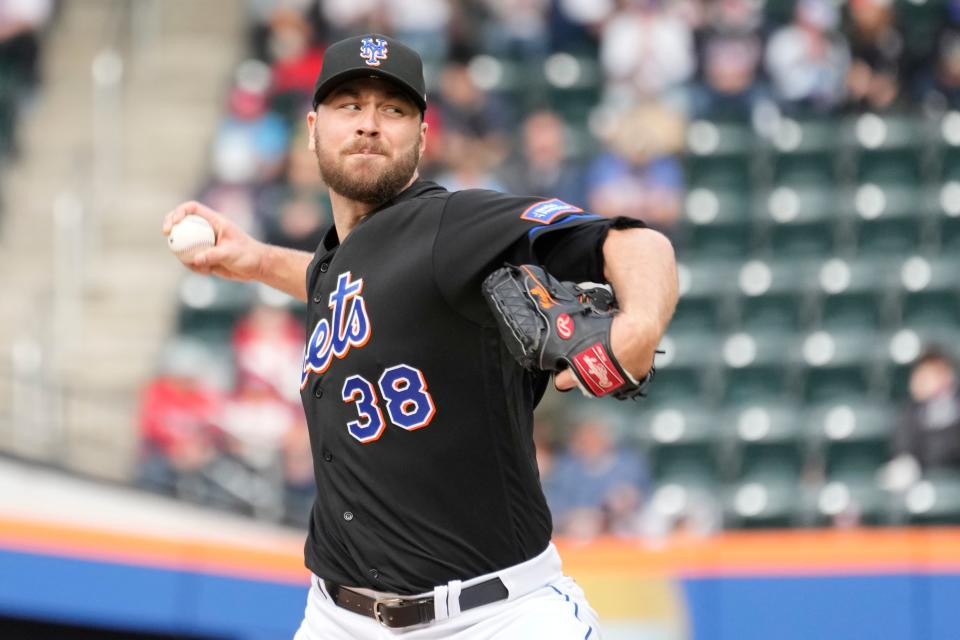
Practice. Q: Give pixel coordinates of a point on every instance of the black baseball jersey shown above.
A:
(420, 421)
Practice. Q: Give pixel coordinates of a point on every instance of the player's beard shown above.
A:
(371, 187)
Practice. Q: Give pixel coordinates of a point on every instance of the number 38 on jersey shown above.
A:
(407, 402)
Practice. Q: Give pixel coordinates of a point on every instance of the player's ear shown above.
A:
(311, 124)
(423, 137)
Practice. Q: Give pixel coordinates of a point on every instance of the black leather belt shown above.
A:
(406, 612)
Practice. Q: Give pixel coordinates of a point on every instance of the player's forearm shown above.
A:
(641, 266)
(285, 269)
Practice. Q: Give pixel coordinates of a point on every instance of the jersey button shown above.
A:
(323, 267)
(327, 456)
(317, 299)
(348, 515)
(318, 392)
(374, 573)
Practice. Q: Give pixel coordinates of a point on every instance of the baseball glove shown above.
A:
(551, 325)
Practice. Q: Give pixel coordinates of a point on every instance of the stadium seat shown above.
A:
(929, 293)
(884, 219)
(855, 294)
(852, 436)
(688, 368)
(705, 289)
(717, 223)
(679, 439)
(767, 498)
(839, 364)
(846, 503)
(934, 500)
(886, 149)
(775, 296)
(798, 220)
(758, 365)
(945, 218)
(764, 430)
(719, 156)
(209, 306)
(946, 143)
(803, 153)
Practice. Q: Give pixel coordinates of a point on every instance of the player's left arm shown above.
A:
(640, 265)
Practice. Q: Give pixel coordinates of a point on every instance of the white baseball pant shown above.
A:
(543, 604)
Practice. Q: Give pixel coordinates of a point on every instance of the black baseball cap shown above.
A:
(372, 55)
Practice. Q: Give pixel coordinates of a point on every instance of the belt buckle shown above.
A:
(376, 609)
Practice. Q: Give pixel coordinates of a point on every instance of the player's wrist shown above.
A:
(634, 343)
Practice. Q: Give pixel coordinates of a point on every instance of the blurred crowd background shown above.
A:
(804, 157)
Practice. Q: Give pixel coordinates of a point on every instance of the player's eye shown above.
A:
(394, 110)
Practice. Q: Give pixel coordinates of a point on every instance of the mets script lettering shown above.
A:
(348, 326)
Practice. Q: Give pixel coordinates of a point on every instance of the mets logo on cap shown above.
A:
(373, 51)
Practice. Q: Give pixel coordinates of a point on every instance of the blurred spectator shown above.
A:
(595, 486)
(295, 59)
(646, 52)
(575, 25)
(21, 23)
(730, 89)
(254, 422)
(298, 480)
(469, 161)
(177, 415)
(938, 83)
(421, 25)
(268, 346)
(808, 59)
(261, 13)
(466, 109)
(250, 144)
(928, 436)
(300, 223)
(544, 167)
(876, 50)
(350, 17)
(640, 176)
(517, 28)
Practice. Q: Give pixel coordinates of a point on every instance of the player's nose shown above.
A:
(369, 123)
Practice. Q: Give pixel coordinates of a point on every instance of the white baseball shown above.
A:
(190, 236)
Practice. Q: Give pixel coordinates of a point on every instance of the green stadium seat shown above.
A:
(946, 143)
(705, 289)
(716, 223)
(855, 294)
(803, 153)
(840, 364)
(762, 432)
(775, 296)
(688, 368)
(765, 499)
(758, 365)
(852, 436)
(934, 500)
(210, 306)
(848, 502)
(946, 216)
(884, 219)
(719, 156)
(679, 440)
(929, 294)
(799, 220)
(886, 149)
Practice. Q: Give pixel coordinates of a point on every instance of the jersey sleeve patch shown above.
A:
(547, 211)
